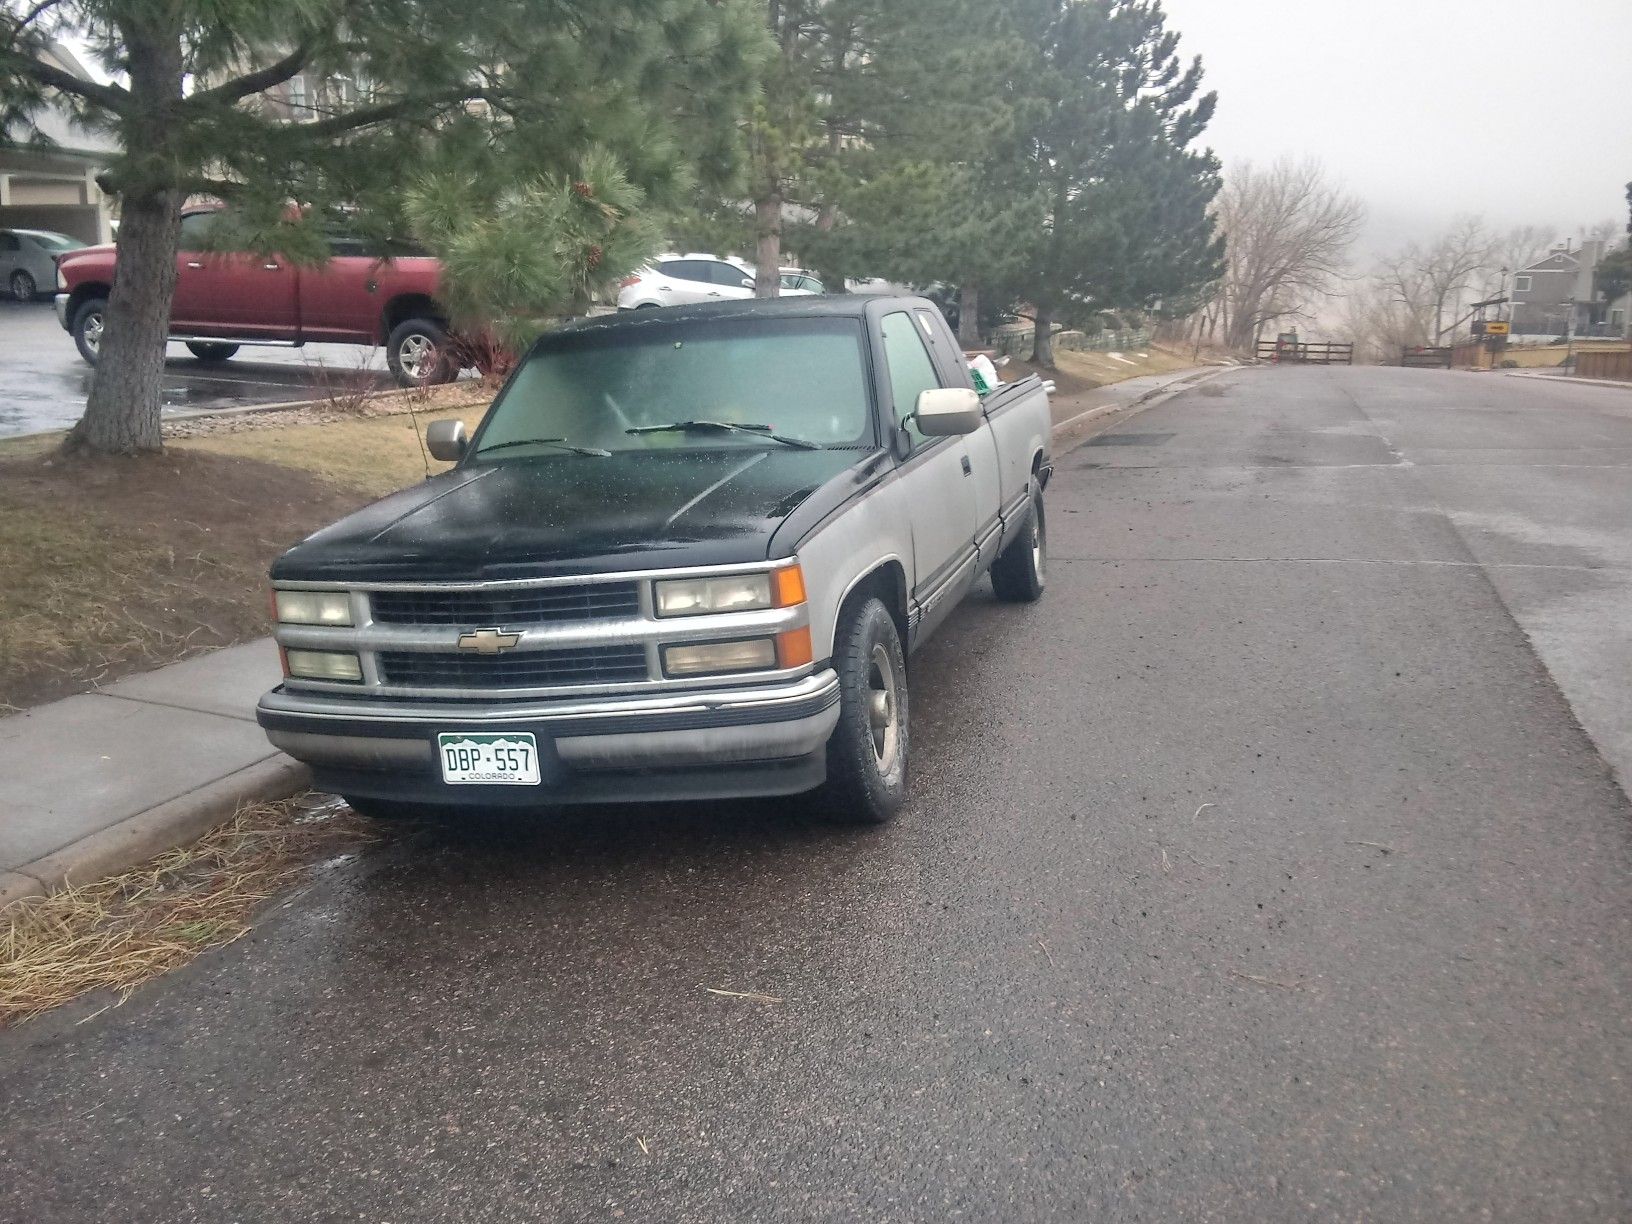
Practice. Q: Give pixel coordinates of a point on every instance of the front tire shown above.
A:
(23, 288)
(419, 354)
(211, 353)
(1021, 570)
(867, 752)
(89, 320)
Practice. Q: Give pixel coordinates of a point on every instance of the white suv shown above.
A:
(674, 280)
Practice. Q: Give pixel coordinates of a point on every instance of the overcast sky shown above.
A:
(1521, 111)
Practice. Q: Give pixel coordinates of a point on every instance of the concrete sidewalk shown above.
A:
(94, 783)
(1073, 410)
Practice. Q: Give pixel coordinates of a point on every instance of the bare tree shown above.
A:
(1288, 230)
(1432, 281)
(1520, 247)
(1382, 322)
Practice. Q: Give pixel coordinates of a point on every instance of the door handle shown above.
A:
(713, 293)
(272, 267)
(967, 469)
(193, 263)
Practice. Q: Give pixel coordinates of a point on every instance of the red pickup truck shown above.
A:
(224, 300)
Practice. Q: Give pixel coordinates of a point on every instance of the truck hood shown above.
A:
(565, 515)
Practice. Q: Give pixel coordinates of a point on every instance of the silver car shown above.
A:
(28, 261)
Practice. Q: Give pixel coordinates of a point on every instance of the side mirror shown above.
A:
(947, 411)
(446, 440)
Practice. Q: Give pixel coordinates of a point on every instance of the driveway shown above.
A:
(1273, 867)
(46, 382)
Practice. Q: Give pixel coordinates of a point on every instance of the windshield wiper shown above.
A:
(754, 431)
(593, 452)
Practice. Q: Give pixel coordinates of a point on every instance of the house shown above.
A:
(54, 187)
(1555, 296)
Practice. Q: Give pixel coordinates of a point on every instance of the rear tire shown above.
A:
(419, 354)
(209, 352)
(23, 288)
(867, 752)
(1021, 570)
(89, 321)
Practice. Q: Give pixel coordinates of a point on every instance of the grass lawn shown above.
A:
(371, 455)
(114, 566)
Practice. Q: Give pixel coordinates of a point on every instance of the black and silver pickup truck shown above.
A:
(685, 555)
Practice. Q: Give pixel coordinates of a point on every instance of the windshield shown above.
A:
(57, 242)
(799, 378)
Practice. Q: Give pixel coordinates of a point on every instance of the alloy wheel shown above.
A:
(883, 709)
(417, 356)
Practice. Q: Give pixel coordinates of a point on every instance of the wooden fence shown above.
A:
(1604, 363)
(1290, 353)
(1427, 358)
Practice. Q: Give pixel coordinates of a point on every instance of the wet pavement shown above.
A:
(45, 381)
(1272, 867)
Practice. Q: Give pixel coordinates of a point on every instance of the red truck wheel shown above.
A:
(89, 320)
(209, 352)
(418, 353)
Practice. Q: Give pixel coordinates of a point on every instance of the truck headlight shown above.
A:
(720, 658)
(323, 665)
(312, 607)
(781, 588)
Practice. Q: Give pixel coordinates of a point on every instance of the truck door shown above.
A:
(985, 470)
(937, 475)
(231, 293)
(341, 301)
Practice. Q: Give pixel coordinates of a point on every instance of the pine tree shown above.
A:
(1109, 123)
(523, 98)
(1064, 178)
(926, 188)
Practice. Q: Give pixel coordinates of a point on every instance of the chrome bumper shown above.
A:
(388, 748)
(61, 303)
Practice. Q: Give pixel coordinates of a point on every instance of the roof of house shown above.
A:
(1555, 261)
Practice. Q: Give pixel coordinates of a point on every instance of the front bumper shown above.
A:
(61, 303)
(713, 744)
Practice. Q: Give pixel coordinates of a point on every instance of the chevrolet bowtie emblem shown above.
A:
(488, 641)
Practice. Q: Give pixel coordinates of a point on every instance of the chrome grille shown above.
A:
(508, 609)
(526, 669)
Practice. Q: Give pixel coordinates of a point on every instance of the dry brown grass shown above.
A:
(119, 932)
(375, 455)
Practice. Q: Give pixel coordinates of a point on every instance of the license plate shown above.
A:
(509, 759)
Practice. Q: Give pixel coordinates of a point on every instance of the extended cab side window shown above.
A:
(911, 369)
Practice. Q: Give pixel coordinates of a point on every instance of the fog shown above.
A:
(1521, 112)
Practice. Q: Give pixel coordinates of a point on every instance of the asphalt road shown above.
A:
(46, 382)
(1266, 870)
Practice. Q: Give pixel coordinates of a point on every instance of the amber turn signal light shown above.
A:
(789, 587)
(793, 648)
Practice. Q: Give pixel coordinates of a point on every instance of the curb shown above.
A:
(1146, 400)
(170, 824)
(1617, 383)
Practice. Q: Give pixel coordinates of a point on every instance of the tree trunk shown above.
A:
(1042, 349)
(969, 316)
(122, 410)
(768, 255)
